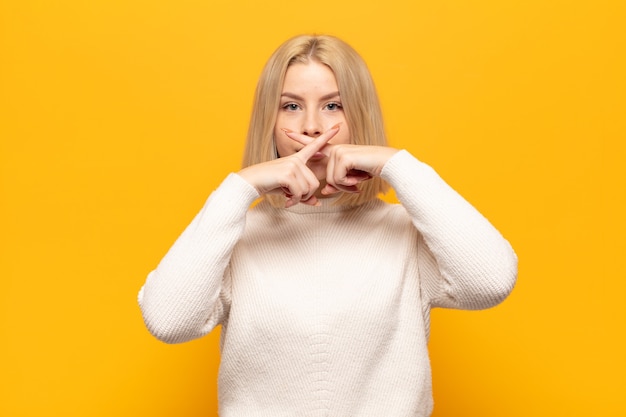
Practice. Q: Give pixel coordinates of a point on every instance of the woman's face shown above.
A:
(310, 104)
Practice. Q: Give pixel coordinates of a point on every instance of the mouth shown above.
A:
(317, 156)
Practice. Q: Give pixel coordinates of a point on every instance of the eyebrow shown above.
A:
(324, 97)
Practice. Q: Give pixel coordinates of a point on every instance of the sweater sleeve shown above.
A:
(464, 261)
(187, 295)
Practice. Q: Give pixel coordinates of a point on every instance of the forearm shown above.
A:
(182, 293)
(477, 266)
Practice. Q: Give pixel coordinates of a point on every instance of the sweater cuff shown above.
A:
(396, 165)
(234, 192)
(242, 188)
(416, 183)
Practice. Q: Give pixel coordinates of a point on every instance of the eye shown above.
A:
(290, 106)
(333, 106)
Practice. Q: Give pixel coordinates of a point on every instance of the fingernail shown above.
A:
(336, 126)
(286, 130)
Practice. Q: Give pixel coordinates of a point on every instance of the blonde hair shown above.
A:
(358, 98)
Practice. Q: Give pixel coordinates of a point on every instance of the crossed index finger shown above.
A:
(316, 144)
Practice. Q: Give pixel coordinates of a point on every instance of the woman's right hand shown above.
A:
(289, 175)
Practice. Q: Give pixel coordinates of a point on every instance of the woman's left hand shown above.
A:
(349, 165)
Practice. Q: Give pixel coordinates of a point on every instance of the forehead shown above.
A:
(309, 77)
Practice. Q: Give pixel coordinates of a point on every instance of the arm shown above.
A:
(465, 261)
(185, 297)
(189, 292)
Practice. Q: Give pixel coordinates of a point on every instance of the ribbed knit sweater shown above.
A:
(325, 310)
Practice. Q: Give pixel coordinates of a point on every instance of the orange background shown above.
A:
(117, 119)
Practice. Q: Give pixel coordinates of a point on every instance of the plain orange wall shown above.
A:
(118, 118)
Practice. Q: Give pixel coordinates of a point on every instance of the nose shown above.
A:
(312, 125)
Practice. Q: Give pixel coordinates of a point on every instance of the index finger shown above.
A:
(316, 145)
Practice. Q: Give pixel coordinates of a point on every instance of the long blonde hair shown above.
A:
(358, 98)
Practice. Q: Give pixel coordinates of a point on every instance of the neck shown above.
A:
(319, 194)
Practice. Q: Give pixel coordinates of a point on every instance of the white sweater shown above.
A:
(325, 310)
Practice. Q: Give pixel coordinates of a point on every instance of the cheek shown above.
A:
(343, 136)
(283, 145)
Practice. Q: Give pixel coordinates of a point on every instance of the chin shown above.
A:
(319, 169)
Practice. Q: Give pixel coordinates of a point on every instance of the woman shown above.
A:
(322, 290)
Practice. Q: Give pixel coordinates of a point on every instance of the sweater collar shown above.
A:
(327, 205)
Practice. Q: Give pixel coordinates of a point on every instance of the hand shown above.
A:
(289, 175)
(348, 165)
